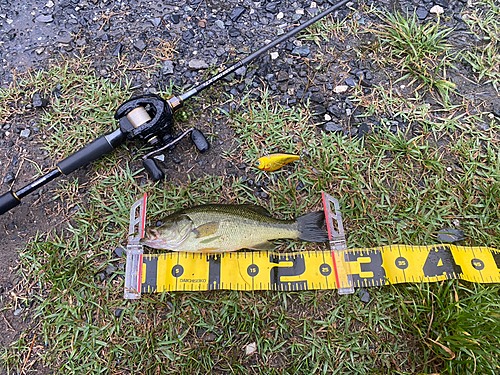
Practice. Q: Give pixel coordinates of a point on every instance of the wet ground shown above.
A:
(207, 34)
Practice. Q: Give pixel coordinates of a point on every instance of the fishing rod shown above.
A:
(150, 119)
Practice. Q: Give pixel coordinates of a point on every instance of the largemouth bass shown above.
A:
(217, 228)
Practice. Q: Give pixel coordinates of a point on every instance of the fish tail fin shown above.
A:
(310, 227)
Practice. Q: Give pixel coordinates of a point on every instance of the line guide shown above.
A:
(340, 268)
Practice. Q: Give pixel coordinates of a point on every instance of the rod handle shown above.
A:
(8, 201)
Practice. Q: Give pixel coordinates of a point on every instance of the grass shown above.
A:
(484, 57)
(393, 186)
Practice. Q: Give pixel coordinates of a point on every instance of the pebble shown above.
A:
(364, 295)
(18, 311)
(197, 64)
(437, 9)
(120, 251)
(301, 51)
(140, 45)
(118, 49)
(175, 18)
(25, 133)
(236, 13)
(155, 21)
(274, 55)
(118, 312)
(332, 127)
(44, 19)
(422, 13)
(220, 24)
(110, 269)
(451, 235)
(362, 130)
(351, 82)
(340, 89)
(168, 67)
(9, 177)
(280, 16)
(38, 101)
(272, 7)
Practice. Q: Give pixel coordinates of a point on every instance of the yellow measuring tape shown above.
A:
(338, 268)
(316, 269)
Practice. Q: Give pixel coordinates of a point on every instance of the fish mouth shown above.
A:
(157, 242)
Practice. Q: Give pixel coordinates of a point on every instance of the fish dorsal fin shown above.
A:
(206, 229)
(257, 209)
(264, 246)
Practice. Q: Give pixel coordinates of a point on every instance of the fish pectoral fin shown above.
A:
(264, 246)
(206, 229)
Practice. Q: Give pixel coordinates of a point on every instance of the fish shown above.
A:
(274, 162)
(218, 228)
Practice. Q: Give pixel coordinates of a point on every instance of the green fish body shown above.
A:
(218, 228)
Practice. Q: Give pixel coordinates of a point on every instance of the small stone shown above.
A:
(118, 312)
(451, 235)
(39, 102)
(272, 7)
(110, 269)
(118, 49)
(264, 195)
(168, 67)
(241, 71)
(120, 251)
(9, 177)
(332, 127)
(364, 295)
(319, 110)
(197, 64)
(233, 32)
(351, 82)
(317, 97)
(25, 133)
(44, 19)
(160, 157)
(282, 76)
(251, 348)
(300, 11)
(422, 13)
(236, 13)
(436, 9)
(301, 51)
(49, 4)
(220, 24)
(280, 16)
(140, 45)
(274, 55)
(65, 38)
(362, 130)
(327, 117)
(175, 18)
(155, 21)
(340, 89)
(18, 311)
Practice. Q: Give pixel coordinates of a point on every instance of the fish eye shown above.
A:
(257, 163)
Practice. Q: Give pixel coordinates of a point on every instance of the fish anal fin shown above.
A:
(206, 229)
(264, 246)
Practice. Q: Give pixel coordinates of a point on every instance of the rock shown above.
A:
(351, 82)
(155, 21)
(274, 55)
(110, 269)
(241, 71)
(437, 9)
(175, 18)
(272, 7)
(251, 348)
(18, 311)
(49, 4)
(120, 251)
(362, 130)
(332, 127)
(139, 45)
(450, 235)
(25, 133)
(318, 98)
(301, 51)
(39, 102)
(236, 13)
(280, 16)
(118, 50)
(282, 76)
(340, 89)
(118, 312)
(44, 19)
(319, 110)
(220, 24)
(168, 67)
(364, 295)
(64, 38)
(197, 64)
(233, 32)
(422, 13)
(9, 177)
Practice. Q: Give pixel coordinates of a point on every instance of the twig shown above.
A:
(29, 353)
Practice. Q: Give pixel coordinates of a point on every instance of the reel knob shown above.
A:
(154, 172)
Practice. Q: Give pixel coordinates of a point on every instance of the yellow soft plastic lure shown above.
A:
(274, 162)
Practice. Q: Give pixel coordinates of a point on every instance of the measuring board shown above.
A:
(338, 268)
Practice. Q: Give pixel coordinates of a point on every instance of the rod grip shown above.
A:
(93, 151)
(8, 201)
